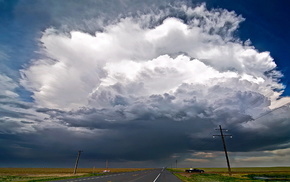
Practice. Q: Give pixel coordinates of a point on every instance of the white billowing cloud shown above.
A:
(214, 21)
(161, 75)
(175, 65)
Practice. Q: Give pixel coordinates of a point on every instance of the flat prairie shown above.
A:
(46, 174)
(245, 174)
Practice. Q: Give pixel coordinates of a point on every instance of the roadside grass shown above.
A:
(32, 179)
(60, 171)
(40, 178)
(239, 170)
(216, 178)
(183, 178)
(49, 174)
(238, 174)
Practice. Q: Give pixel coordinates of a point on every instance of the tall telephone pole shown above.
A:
(225, 147)
(77, 161)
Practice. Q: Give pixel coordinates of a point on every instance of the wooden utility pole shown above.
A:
(77, 162)
(225, 147)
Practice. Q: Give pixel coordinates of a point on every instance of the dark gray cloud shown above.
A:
(146, 140)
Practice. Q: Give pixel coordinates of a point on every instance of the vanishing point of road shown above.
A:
(154, 175)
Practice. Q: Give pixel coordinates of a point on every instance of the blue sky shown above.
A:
(266, 26)
(143, 84)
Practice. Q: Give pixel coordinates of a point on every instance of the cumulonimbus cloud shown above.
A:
(150, 71)
(141, 61)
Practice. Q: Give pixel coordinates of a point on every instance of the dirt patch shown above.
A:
(187, 174)
(56, 175)
(47, 175)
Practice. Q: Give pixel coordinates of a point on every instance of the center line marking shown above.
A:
(157, 177)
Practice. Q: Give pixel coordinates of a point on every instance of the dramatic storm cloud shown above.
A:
(146, 86)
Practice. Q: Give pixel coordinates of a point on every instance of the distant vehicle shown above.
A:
(194, 170)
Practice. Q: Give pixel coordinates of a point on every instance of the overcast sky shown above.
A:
(144, 83)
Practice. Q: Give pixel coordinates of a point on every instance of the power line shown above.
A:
(270, 111)
(225, 147)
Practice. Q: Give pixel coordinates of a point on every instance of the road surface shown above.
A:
(154, 175)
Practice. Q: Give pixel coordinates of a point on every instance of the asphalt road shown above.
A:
(154, 175)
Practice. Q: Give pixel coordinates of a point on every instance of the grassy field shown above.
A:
(238, 174)
(46, 174)
(211, 174)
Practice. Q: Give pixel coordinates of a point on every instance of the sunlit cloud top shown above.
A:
(131, 60)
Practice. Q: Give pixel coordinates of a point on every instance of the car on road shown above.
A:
(194, 170)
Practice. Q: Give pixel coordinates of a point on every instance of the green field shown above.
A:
(46, 174)
(238, 174)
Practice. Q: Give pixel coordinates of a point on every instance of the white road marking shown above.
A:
(157, 177)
